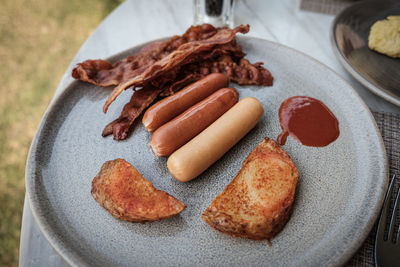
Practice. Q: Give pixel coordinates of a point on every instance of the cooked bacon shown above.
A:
(163, 68)
(180, 83)
(185, 54)
(241, 72)
(104, 73)
(140, 100)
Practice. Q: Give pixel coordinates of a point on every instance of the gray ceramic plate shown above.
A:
(350, 30)
(340, 190)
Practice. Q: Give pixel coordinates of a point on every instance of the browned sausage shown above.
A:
(177, 132)
(170, 107)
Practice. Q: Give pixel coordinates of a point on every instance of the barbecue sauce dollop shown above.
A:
(308, 121)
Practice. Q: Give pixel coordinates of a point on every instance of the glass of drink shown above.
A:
(216, 12)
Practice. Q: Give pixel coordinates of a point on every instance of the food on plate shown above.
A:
(170, 107)
(258, 202)
(201, 152)
(177, 132)
(171, 65)
(308, 121)
(104, 73)
(384, 36)
(140, 100)
(128, 196)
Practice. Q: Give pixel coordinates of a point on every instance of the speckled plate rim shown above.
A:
(342, 59)
(73, 259)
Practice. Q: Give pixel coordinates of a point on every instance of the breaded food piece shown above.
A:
(258, 202)
(128, 196)
(384, 36)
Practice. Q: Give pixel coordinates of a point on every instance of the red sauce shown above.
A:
(308, 121)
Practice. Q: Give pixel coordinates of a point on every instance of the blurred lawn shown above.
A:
(38, 39)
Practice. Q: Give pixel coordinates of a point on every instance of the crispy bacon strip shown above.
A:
(140, 100)
(186, 53)
(103, 73)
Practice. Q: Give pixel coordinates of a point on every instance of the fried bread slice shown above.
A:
(128, 196)
(257, 203)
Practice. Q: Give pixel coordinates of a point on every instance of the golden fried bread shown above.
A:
(127, 195)
(257, 203)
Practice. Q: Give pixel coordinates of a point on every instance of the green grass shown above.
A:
(38, 39)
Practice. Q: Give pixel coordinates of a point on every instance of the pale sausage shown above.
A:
(170, 107)
(211, 144)
(177, 132)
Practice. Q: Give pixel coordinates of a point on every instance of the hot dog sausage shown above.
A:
(187, 125)
(207, 147)
(168, 108)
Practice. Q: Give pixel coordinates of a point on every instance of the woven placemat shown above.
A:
(325, 6)
(389, 125)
